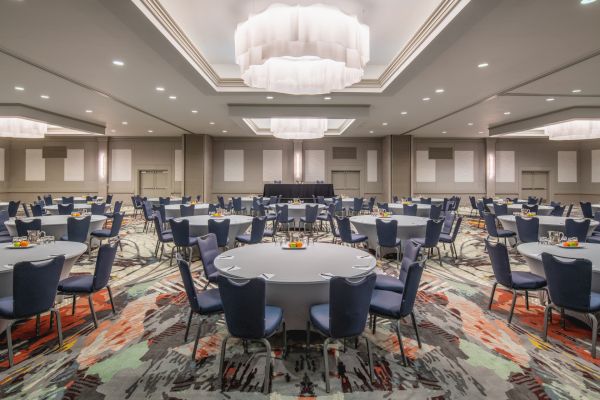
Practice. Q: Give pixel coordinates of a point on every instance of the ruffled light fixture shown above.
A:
(301, 49)
(574, 130)
(298, 128)
(22, 128)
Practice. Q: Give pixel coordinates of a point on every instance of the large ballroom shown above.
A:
(287, 199)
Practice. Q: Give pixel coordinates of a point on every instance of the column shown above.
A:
(490, 167)
(298, 160)
(102, 166)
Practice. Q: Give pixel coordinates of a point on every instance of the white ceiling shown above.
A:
(535, 49)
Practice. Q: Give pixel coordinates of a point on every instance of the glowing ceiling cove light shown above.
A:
(298, 128)
(574, 130)
(301, 49)
(22, 128)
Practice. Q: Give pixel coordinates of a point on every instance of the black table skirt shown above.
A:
(302, 191)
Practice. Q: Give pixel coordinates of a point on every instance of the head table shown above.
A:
(294, 277)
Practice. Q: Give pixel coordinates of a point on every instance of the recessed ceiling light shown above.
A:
(371, 131)
(384, 123)
(470, 124)
(326, 98)
(211, 123)
(480, 132)
(224, 131)
(124, 123)
(404, 113)
(118, 63)
(444, 131)
(439, 90)
(88, 111)
(150, 131)
(44, 96)
(587, 1)
(576, 91)
(550, 99)
(19, 88)
(172, 97)
(112, 131)
(160, 89)
(195, 111)
(426, 98)
(507, 113)
(482, 65)
(270, 97)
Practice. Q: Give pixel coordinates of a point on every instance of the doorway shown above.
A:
(154, 183)
(534, 183)
(346, 183)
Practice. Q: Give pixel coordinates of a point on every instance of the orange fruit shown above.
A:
(24, 243)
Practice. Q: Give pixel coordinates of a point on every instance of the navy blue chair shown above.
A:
(515, 281)
(335, 233)
(357, 206)
(4, 234)
(27, 225)
(237, 205)
(221, 202)
(345, 232)
(324, 216)
(180, 229)
(388, 282)
(90, 198)
(410, 209)
(432, 237)
(435, 211)
(107, 234)
(116, 210)
(528, 229)
(481, 210)
(98, 208)
(425, 200)
(586, 209)
(310, 217)
(198, 198)
(26, 211)
(34, 285)
(89, 284)
(68, 200)
(77, 229)
(187, 210)
(570, 288)
(578, 229)
(557, 211)
(569, 210)
(257, 232)
(339, 207)
(532, 200)
(343, 317)
(48, 200)
(13, 208)
(449, 218)
(160, 209)
(283, 218)
(212, 208)
(596, 231)
(137, 204)
(474, 208)
(164, 201)
(248, 317)
(383, 206)
(387, 237)
(37, 210)
(369, 206)
(396, 306)
(109, 198)
(450, 238)
(186, 199)
(395, 199)
(493, 231)
(530, 208)
(65, 209)
(500, 209)
(209, 250)
(205, 303)
(162, 237)
(221, 230)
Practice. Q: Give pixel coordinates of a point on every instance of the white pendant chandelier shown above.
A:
(22, 128)
(574, 130)
(298, 128)
(301, 49)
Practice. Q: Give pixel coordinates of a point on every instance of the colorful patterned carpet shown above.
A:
(468, 352)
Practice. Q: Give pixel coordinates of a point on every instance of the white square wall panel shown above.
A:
(35, 165)
(2, 162)
(371, 165)
(74, 166)
(179, 168)
(233, 166)
(567, 166)
(425, 167)
(595, 166)
(272, 165)
(464, 167)
(120, 165)
(314, 165)
(505, 166)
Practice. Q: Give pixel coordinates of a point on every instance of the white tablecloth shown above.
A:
(56, 225)
(238, 225)
(547, 223)
(173, 210)
(76, 207)
(408, 227)
(422, 209)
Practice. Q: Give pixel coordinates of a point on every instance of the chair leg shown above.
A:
(512, 307)
(110, 297)
(197, 339)
(439, 255)
(285, 348)
(92, 310)
(414, 322)
(307, 337)
(594, 334)
(527, 300)
(492, 295)
(58, 327)
(187, 328)
(370, 355)
(74, 304)
(326, 364)
(37, 325)
(547, 315)
(404, 362)
(374, 323)
(267, 383)
(222, 361)
(9, 345)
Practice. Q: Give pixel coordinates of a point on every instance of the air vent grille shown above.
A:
(441, 153)
(54, 152)
(344, 153)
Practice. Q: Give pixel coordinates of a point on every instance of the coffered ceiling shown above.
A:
(534, 50)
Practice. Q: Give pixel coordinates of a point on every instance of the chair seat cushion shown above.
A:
(209, 301)
(420, 241)
(243, 238)
(64, 237)
(322, 217)
(268, 232)
(303, 219)
(594, 301)
(213, 277)
(319, 318)
(527, 280)
(445, 238)
(101, 233)
(358, 238)
(4, 233)
(593, 239)
(167, 237)
(398, 243)
(505, 233)
(273, 317)
(387, 303)
(6, 307)
(77, 284)
(5, 239)
(386, 282)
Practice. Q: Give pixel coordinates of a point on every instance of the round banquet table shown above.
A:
(502, 201)
(513, 208)
(173, 210)
(422, 209)
(53, 210)
(408, 227)
(297, 211)
(4, 206)
(56, 225)
(247, 203)
(77, 199)
(9, 257)
(238, 224)
(295, 282)
(595, 207)
(347, 202)
(156, 200)
(547, 223)
(434, 200)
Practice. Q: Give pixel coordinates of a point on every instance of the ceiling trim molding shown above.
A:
(25, 111)
(266, 132)
(160, 17)
(353, 111)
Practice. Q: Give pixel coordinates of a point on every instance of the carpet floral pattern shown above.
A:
(468, 351)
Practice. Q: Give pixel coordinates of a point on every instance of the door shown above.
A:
(534, 183)
(154, 183)
(346, 183)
